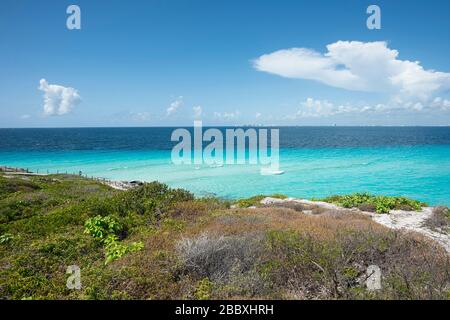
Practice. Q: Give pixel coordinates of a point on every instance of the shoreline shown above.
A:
(115, 184)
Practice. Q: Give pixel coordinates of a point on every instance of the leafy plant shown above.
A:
(115, 249)
(203, 290)
(102, 228)
(150, 199)
(6, 238)
(381, 204)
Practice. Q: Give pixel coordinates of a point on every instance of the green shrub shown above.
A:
(105, 230)
(100, 228)
(279, 196)
(115, 249)
(256, 200)
(150, 199)
(12, 185)
(203, 290)
(381, 204)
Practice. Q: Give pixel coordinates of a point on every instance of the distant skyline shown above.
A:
(167, 63)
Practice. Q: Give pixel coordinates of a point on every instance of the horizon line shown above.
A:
(234, 126)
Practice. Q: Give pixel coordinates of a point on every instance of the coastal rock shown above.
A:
(270, 200)
(123, 185)
(413, 221)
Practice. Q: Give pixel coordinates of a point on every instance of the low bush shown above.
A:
(151, 199)
(115, 250)
(214, 257)
(12, 185)
(336, 268)
(256, 200)
(100, 228)
(228, 262)
(379, 204)
(203, 290)
(297, 206)
(439, 220)
(105, 230)
(188, 209)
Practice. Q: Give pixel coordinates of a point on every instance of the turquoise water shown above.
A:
(418, 171)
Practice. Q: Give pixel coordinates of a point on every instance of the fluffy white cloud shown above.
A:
(322, 108)
(197, 111)
(441, 103)
(58, 100)
(173, 107)
(354, 65)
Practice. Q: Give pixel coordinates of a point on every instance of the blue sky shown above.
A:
(164, 63)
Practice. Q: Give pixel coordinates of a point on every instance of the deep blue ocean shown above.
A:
(317, 161)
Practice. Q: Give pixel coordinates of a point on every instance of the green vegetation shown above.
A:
(379, 204)
(155, 242)
(102, 228)
(255, 200)
(105, 230)
(5, 238)
(50, 222)
(203, 291)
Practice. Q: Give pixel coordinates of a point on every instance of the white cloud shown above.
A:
(258, 115)
(354, 65)
(313, 108)
(197, 112)
(140, 116)
(25, 116)
(322, 108)
(173, 107)
(440, 103)
(227, 115)
(58, 100)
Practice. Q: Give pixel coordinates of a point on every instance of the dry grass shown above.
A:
(310, 256)
(326, 225)
(439, 220)
(274, 253)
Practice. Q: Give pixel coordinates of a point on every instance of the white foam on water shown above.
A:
(270, 172)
